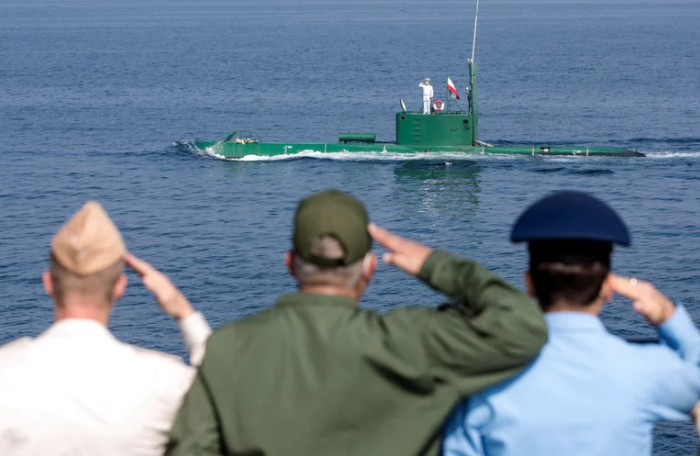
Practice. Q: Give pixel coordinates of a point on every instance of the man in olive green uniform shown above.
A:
(317, 375)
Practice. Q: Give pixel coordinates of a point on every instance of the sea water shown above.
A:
(103, 100)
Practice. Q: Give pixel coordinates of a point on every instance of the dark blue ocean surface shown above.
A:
(102, 100)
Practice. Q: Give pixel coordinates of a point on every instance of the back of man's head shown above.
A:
(87, 259)
(330, 241)
(570, 237)
(570, 272)
(98, 286)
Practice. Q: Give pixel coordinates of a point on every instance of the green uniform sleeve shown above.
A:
(196, 429)
(490, 333)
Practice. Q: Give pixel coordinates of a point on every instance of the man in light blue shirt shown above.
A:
(588, 392)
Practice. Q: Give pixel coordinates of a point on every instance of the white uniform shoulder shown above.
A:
(166, 376)
(158, 360)
(14, 352)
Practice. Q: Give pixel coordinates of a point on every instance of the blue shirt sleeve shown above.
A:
(677, 386)
(462, 436)
(681, 335)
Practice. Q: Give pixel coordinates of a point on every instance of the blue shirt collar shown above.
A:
(573, 321)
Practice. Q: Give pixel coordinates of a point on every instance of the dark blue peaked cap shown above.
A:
(570, 215)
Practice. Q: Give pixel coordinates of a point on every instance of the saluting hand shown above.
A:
(695, 415)
(648, 301)
(406, 255)
(170, 299)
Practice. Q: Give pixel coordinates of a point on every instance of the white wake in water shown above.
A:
(369, 156)
(672, 154)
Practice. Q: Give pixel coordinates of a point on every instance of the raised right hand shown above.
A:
(170, 299)
(406, 255)
(647, 300)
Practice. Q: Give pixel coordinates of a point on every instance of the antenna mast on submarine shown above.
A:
(476, 18)
(471, 94)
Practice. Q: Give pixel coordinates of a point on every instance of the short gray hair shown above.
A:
(309, 274)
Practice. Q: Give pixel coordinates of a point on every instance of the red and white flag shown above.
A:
(451, 87)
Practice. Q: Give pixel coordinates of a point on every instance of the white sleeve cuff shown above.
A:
(195, 331)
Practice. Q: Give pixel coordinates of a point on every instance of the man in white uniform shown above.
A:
(77, 390)
(427, 95)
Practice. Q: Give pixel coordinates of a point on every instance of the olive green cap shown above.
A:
(331, 213)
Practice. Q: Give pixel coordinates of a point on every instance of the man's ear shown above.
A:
(606, 290)
(530, 285)
(48, 283)
(119, 287)
(289, 262)
(369, 265)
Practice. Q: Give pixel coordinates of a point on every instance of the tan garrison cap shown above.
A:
(89, 242)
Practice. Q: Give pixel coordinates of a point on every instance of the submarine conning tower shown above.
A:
(413, 128)
(444, 128)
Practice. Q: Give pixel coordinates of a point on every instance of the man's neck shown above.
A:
(331, 291)
(82, 309)
(592, 309)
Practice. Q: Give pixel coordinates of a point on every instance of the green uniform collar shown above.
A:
(296, 299)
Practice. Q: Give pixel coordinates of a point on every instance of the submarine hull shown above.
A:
(416, 133)
(233, 150)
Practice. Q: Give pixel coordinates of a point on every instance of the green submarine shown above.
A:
(440, 131)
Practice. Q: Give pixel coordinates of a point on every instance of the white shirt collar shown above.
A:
(72, 327)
